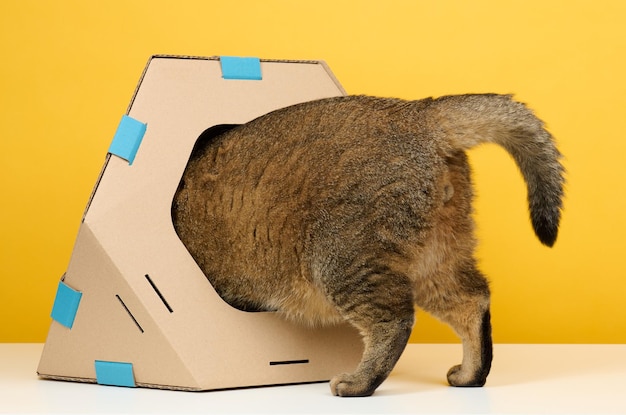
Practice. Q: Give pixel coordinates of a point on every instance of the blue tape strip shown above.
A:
(127, 138)
(115, 373)
(66, 305)
(241, 68)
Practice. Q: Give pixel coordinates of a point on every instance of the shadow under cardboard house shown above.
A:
(133, 308)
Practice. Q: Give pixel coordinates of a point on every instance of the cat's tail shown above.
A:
(469, 120)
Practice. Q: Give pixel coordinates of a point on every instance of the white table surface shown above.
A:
(530, 379)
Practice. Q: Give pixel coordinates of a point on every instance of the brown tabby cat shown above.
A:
(358, 209)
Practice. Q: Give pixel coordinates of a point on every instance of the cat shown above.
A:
(358, 209)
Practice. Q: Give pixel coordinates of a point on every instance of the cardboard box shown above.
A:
(133, 308)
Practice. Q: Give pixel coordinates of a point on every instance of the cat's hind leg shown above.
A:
(468, 314)
(477, 354)
(380, 305)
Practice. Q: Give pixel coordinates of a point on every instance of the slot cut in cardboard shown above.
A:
(129, 313)
(143, 298)
(156, 290)
(290, 362)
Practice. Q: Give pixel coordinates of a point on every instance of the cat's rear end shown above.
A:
(357, 209)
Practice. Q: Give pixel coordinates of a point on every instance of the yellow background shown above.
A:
(69, 69)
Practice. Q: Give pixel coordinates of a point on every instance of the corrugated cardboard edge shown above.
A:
(172, 388)
(139, 384)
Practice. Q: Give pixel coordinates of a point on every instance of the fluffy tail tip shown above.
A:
(546, 229)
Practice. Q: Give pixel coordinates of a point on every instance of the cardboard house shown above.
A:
(133, 308)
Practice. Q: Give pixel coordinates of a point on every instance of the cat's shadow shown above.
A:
(424, 367)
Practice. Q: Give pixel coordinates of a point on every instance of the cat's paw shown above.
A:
(459, 377)
(348, 384)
